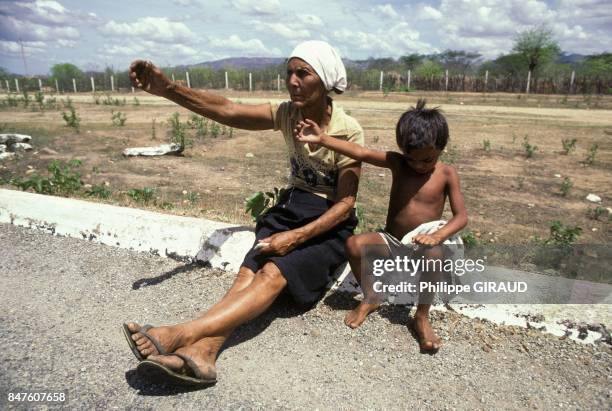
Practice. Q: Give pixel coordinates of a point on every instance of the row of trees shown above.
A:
(535, 53)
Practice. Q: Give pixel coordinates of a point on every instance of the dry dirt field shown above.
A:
(510, 197)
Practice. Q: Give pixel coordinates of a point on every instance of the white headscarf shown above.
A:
(325, 61)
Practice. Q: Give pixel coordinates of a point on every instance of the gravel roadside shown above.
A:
(63, 300)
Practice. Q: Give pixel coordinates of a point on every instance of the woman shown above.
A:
(300, 241)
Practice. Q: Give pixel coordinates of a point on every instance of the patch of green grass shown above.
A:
(560, 235)
(469, 239)
(71, 117)
(486, 144)
(530, 149)
(118, 118)
(63, 179)
(590, 159)
(568, 145)
(178, 134)
(100, 191)
(566, 186)
(144, 195)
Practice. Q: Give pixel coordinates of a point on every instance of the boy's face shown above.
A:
(422, 160)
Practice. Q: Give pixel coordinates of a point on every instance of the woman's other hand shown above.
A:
(279, 243)
(145, 75)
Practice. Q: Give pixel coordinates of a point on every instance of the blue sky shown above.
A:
(96, 34)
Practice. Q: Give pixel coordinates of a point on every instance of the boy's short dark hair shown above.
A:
(421, 127)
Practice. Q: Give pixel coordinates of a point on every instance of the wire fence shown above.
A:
(367, 80)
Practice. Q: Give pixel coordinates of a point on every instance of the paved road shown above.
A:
(62, 301)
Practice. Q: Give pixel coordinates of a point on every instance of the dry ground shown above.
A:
(510, 197)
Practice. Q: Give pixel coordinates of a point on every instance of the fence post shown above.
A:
(74, 85)
(528, 82)
(250, 82)
(8, 89)
(40, 85)
(446, 80)
(17, 85)
(381, 81)
(133, 91)
(226, 81)
(93, 85)
(187, 77)
(112, 83)
(173, 79)
(486, 81)
(56, 87)
(572, 81)
(278, 82)
(409, 73)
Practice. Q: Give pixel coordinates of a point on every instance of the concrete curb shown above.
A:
(182, 238)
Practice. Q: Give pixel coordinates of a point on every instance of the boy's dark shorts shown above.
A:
(309, 268)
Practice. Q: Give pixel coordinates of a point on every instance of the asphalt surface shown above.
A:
(63, 300)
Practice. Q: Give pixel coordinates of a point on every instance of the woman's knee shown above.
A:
(272, 275)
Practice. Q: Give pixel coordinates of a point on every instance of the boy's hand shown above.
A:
(427, 239)
(308, 131)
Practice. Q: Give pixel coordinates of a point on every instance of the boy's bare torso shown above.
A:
(415, 198)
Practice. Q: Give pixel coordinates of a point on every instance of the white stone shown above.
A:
(2, 148)
(558, 175)
(249, 155)
(153, 151)
(4, 156)
(20, 147)
(14, 138)
(593, 198)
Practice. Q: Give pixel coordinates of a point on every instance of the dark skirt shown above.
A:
(309, 267)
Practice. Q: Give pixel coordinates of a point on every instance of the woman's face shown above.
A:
(303, 83)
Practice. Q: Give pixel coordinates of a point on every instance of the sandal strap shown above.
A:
(143, 330)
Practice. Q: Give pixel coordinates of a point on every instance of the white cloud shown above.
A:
(251, 47)
(160, 29)
(430, 13)
(386, 10)
(310, 20)
(294, 32)
(13, 48)
(258, 7)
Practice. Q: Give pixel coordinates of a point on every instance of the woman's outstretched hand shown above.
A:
(307, 131)
(145, 75)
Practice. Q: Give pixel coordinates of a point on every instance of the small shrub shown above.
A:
(529, 148)
(520, 182)
(99, 190)
(118, 118)
(153, 129)
(64, 179)
(12, 101)
(260, 202)
(111, 101)
(142, 195)
(486, 144)
(136, 102)
(566, 186)
(215, 129)
(71, 118)
(568, 145)
(590, 159)
(200, 124)
(597, 212)
(231, 132)
(178, 132)
(39, 97)
(469, 239)
(51, 103)
(376, 139)
(26, 99)
(560, 235)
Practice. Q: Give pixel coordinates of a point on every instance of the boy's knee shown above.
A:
(353, 246)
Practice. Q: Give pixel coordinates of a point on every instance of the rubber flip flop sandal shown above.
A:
(143, 330)
(158, 373)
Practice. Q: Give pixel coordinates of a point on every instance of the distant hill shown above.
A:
(571, 58)
(257, 63)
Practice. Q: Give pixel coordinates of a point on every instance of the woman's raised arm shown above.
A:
(146, 76)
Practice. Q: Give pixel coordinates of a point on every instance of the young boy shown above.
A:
(418, 192)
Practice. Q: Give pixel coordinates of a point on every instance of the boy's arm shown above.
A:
(459, 219)
(308, 131)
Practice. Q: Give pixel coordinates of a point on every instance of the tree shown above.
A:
(64, 73)
(536, 46)
(458, 61)
(598, 64)
(428, 68)
(410, 61)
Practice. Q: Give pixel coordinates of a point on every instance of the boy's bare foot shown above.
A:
(202, 357)
(428, 339)
(168, 337)
(358, 315)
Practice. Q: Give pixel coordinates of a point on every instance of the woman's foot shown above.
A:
(358, 315)
(168, 338)
(428, 339)
(202, 354)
